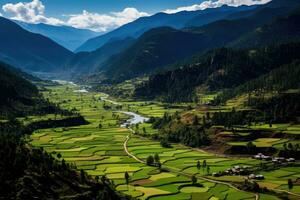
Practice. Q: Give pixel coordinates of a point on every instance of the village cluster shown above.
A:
(246, 170)
(278, 160)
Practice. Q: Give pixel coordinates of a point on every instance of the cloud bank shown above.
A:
(34, 12)
(215, 4)
(104, 22)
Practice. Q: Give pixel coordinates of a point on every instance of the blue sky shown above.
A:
(101, 15)
(57, 7)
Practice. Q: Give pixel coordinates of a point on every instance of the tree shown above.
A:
(103, 179)
(63, 164)
(97, 178)
(144, 130)
(156, 158)
(290, 146)
(164, 143)
(58, 156)
(251, 147)
(159, 165)
(150, 160)
(204, 163)
(297, 147)
(207, 115)
(126, 176)
(290, 184)
(204, 120)
(195, 120)
(255, 187)
(82, 176)
(100, 126)
(208, 169)
(285, 146)
(194, 180)
(198, 165)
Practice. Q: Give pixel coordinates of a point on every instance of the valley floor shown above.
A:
(104, 148)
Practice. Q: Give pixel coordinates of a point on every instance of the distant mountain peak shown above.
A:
(67, 36)
(136, 28)
(29, 51)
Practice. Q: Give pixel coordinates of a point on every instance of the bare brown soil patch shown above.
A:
(141, 182)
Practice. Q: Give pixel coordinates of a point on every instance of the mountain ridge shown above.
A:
(67, 36)
(143, 24)
(30, 51)
(160, 47)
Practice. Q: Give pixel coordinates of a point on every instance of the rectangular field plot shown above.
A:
(99, 148)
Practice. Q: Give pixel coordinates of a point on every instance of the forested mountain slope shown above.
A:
(93, 61)
(158, 48)
(14, 89)
(30, 51)
(264, 50)
(219, 69)
(280, 30)
(176, 20)
(32, 173)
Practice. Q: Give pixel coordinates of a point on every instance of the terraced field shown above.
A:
(99, 151)
(285, 128)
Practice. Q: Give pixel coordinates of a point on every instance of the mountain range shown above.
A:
(160, 47)
(266, 58)
(176, 21)
(69, 37)
(87, 62)
(147, 45)
(30, 51)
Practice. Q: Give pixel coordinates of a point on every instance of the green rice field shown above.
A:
(99, 150)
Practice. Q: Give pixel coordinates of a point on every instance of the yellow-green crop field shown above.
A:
(100, 151)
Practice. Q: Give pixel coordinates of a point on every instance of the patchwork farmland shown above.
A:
(99, 149)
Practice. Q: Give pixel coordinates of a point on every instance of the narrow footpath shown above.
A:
(174, 170)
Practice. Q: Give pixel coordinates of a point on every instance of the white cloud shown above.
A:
(215, 4)
(32, 12)
(104, 22)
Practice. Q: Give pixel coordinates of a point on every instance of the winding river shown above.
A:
(135, 118)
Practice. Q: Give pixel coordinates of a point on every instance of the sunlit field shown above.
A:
(98, 149)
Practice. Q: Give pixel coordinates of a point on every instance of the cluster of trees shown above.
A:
(251, 186)
(171, 129)
(153, 160)
(19, 97)
(278, 80)
(229, 119)
(290, 150)
(32, 172)
(190, 135)
(204, 166)
(281, 108)
(158, 123)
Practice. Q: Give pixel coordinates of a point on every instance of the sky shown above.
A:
(102, 15)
